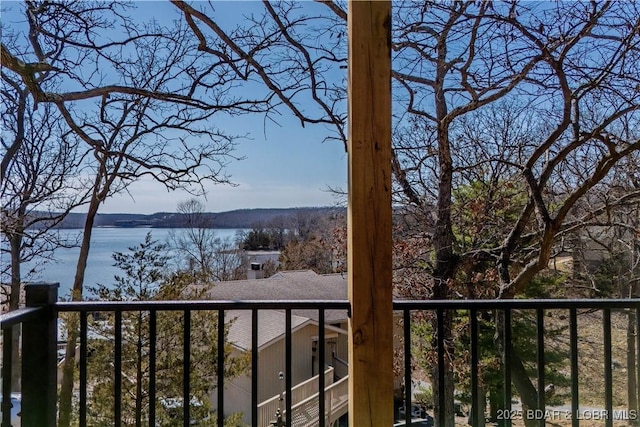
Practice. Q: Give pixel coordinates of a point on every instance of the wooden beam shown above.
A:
(369, 218)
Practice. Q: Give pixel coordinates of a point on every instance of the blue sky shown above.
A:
(284, 165)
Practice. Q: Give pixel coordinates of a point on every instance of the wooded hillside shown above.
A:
(239, 218)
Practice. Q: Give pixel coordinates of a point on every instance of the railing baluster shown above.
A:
(638, 362)
(152, 367)
(540, 363)
(289, 421)
(220, 368)
(117, 370)
(506, 361)
(83, 369)
(254, 367)
(441, 373)
(321, 383)
(477, 410)
(186, 370)
(7, 374)
(406, 327)
(608, 379)
(573, 342)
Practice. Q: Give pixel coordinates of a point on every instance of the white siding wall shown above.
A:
(237, 395)
(342, 350)
(271, 361)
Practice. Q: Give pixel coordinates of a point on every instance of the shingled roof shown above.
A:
(271, 326)
(293, 285)
(285, 285)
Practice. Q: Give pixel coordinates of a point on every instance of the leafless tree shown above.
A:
(212, 258)
(606, 250)
(138, 95)
(196, 241)
(571, 66)
(44, 186)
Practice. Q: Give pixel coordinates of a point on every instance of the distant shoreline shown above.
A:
(239, 218)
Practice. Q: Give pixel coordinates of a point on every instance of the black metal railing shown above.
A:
(187, 307)
(39, 340)
(503, 312)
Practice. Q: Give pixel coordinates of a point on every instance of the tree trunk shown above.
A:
(448, 387)
(519, 377)
(68, 369)
(496, 403)
(443, 238)
(482, 404)
(524, 386)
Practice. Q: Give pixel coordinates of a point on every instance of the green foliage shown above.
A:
(549, 285)
(606, 279)
(490, 363)
(482, 210)
(424, 396)
(257, 239)
(144, 277)
(144, 269)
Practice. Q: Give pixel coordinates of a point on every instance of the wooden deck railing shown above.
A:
(300, 393)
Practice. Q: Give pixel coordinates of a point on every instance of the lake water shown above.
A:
(104, 242)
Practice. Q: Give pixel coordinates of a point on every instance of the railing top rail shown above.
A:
(516, 304)
(86, 306)
(338, 383)
(316, 395)
(298, 386)
(20, 315)
(201, 305)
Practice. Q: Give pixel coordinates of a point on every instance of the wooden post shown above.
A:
(369, 234)
(39, 352)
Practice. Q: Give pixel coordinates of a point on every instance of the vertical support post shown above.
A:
(39, 345)
(369, 215)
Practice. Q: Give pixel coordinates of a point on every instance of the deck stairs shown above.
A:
(305, 403)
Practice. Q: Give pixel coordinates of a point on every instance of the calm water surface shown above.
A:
(104, 242)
